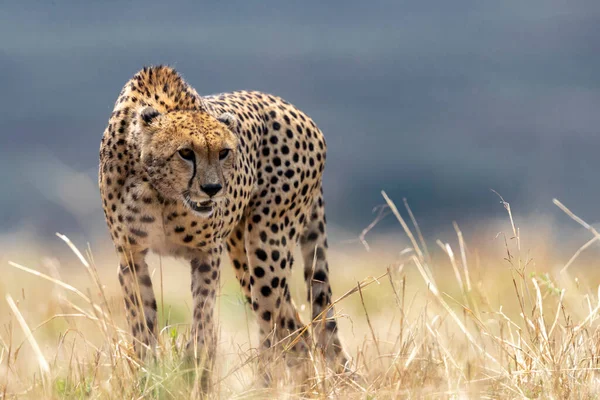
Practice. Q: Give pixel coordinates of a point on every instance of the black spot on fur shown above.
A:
(260, 253)
(149, 114)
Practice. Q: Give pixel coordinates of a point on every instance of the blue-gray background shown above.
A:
(437, 101)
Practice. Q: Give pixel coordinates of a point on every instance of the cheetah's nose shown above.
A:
(211, 188)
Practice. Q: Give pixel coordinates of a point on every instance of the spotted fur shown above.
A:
(191, 176)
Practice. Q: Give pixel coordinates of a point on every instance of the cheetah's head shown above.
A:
(189, 156)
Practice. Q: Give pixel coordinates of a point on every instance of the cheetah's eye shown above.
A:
(186, 154)
(223, 154)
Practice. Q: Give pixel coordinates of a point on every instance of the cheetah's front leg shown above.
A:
(205, 282)
(140, 302)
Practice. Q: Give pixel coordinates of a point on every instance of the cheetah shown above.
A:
(189, 176)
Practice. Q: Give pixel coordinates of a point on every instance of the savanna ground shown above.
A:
(506, 315)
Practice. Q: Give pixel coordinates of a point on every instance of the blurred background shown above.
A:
(435, 101)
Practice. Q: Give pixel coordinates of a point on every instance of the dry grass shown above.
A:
(450, 321)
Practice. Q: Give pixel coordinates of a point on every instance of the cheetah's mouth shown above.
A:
(204, 208)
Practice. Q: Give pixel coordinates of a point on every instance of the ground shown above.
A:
(490, 317)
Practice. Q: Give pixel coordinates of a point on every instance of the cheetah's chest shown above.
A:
(175, 230)
(182, 227)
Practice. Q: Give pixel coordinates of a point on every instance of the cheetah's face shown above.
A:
(189, 156)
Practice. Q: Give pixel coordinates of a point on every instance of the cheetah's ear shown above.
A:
(148, 115)
(229, 119)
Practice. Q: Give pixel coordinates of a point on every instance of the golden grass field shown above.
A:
(505, 315)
